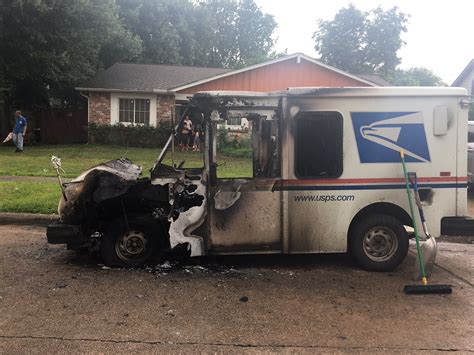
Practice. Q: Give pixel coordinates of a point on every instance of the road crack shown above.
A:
(223, 344)
(455, 275)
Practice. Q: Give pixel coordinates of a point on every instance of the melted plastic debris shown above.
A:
(168, 267)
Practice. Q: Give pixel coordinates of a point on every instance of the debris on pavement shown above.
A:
(168, 267)
(170, 313)
(61, 284)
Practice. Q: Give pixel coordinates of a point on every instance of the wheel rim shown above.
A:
(132, 245)
(380, 244)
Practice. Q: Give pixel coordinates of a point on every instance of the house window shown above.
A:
(135, 111)
(234, 121)
(318, 145)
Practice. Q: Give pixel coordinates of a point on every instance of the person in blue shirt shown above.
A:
(19, 131)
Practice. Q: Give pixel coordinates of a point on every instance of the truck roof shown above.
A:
(343, 92)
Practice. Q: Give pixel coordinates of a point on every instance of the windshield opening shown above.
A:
(185, 146)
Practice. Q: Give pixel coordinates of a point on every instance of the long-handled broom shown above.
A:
(424, 288)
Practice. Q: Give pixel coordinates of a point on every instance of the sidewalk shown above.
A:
(27, 218)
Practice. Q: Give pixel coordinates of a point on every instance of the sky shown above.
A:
(439, 32)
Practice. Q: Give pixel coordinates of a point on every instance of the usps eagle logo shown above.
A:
(381, 135)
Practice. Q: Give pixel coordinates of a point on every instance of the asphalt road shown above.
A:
(53, 300)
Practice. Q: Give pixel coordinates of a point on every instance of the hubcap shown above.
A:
(380, 243)
(131, 245)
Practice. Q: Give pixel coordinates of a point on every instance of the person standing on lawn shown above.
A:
(19, 131)
(186, 133)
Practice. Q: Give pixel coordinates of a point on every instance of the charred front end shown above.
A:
(130, 218)
(99, 196)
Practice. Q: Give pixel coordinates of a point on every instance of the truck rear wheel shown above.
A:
(131, 244)
(379, 243)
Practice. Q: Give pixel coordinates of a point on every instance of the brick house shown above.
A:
(149, 94)
(466, 78)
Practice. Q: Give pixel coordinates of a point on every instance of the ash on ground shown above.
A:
(168, 267)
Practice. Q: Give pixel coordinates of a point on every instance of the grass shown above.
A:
(43, 197)
(32, 197)
(35, 161)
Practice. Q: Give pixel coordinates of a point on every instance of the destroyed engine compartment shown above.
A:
(113, 199)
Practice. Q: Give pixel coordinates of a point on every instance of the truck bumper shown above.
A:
(60, 233)
(463, 226)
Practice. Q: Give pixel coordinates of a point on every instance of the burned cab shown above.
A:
(319, 172)
(135, 219)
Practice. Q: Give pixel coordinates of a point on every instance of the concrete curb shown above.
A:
(27, 218)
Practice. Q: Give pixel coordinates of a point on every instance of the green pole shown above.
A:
(413, 217)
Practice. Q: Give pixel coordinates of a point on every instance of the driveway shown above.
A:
(53, 300)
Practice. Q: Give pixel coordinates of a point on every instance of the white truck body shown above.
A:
(308, 214)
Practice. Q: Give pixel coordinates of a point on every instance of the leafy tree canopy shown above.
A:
(362, 42)
(50, 46)
(172, 31)
(417, 76)
(210, 33)
(242, 33)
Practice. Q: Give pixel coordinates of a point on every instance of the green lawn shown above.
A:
(32, 197)
(35, 161)
(43, 197)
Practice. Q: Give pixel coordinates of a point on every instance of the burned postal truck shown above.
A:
(326, 178)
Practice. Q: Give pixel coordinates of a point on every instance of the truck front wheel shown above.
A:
(131, 244)
(379, 243)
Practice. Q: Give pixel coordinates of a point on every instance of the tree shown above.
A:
(209, 33)
(49, 46)
(340, 41)
(383, 39)
(172, 31)
(417, 76)
(362, 42)
(242, 33)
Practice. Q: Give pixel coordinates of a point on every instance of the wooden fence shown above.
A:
(60, 127)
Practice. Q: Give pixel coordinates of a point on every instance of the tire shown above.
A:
(133, 245)
(379, 243)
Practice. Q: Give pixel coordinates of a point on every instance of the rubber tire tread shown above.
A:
(357, 236)
(107, 247)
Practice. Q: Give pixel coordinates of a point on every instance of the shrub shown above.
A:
(130, 136)
(237, 152)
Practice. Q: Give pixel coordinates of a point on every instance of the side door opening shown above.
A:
(245, 210)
